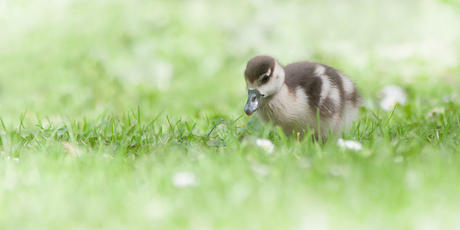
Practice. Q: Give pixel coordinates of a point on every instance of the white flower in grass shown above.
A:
(335, 170)
(435, 112)
(398, 159)
(413, 179)
(260, 169)
(392, 95)
(447, 98)
(15, 159)
(265, 144)
(349, 144)
(451, 97)
(184, 179)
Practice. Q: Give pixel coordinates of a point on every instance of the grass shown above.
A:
(103, 104)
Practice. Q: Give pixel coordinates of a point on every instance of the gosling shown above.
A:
(295, 96)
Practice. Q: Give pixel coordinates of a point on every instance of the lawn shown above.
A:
(129, 115)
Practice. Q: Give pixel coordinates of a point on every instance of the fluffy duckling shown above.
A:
(293, 96)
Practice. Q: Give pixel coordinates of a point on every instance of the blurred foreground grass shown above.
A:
(103, 103)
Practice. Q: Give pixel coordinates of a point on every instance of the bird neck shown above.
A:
(271, 106)
(274, 100)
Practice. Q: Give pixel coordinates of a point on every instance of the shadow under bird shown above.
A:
(294, 96)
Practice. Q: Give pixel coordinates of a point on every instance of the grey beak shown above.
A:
(254, 99)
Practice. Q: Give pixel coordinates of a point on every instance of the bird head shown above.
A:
(264, 77)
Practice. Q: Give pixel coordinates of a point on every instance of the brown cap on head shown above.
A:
(257, 66)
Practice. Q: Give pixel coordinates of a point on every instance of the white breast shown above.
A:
(288, 110)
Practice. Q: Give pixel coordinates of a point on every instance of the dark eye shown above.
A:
(264, 79)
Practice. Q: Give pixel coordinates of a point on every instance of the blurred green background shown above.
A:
(187, 57)
(88, 78)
